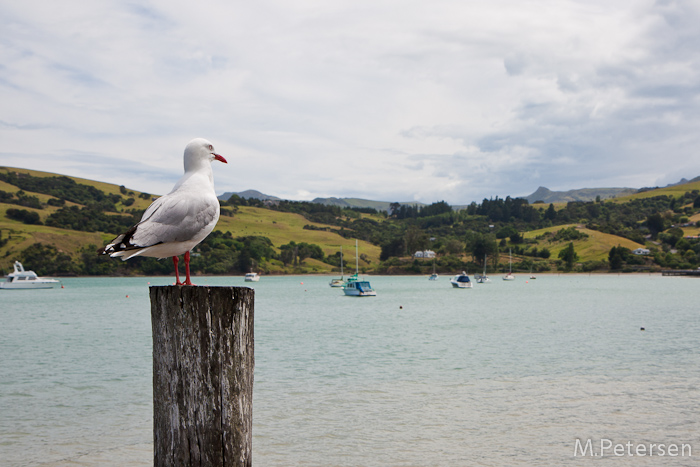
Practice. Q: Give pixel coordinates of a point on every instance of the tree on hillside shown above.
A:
(394, 209)
(296, 253)
(551, 213)
(615, 258)
(452, 247)
(288, 254)
(415, 239)
(655, 224)
(394, 247)
(478, 246)
(569, 256)
(22, 215)
(47, 260)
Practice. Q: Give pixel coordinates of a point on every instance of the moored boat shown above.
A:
(21, 279)
(339, 282)
(483, 278)
(355, 287)
(509, 275)
(434, 275)
(461, 281)
(252, 277)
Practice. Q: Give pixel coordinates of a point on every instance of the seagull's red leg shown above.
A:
(177, 274)
(187, 269)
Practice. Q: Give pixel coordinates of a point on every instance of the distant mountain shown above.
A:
(584, 194)
(684, 181)
(362, 203)
(255, 194)
(342, 202)
(541, 194)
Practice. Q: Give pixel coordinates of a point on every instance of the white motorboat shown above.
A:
(252, 277)
(354, 287)
(21, 279)
(461, 281)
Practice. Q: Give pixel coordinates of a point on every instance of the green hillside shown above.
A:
(56, 224)
(279, 227)
(675, 190)
(594, 247)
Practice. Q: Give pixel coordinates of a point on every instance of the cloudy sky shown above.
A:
(454, 100)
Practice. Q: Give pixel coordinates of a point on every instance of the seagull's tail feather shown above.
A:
(121, 246)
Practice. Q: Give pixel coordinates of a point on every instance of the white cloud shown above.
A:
(385, 100)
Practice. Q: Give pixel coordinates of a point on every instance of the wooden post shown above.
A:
(202, 375)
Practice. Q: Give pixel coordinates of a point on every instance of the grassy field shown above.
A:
(283, 227)
(595, 247)
(109, 188)
(676, 190)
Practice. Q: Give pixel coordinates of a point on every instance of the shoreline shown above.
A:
(445, 274)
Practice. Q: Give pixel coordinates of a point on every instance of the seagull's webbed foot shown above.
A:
(187, 269)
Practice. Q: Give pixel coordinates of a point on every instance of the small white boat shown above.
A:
(509, 276)
(252, 277)
(461, 281)
(21, 279)
(434, 275)
(339, 282)
(482, 279)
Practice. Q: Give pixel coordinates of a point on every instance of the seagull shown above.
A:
(175, 223)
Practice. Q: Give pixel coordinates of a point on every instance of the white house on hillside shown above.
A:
(641, 251)
(424, 254)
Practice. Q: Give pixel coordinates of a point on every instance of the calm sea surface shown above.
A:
(507, 373)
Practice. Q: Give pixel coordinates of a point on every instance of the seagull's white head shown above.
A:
(198, 152)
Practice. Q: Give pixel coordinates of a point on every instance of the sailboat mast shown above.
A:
(510, 261)
(357, 263)
(341, 261)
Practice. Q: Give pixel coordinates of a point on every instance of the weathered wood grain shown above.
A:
(203, 363)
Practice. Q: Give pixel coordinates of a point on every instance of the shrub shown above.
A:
(22, 215)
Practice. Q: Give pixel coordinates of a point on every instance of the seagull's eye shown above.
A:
(211, 148)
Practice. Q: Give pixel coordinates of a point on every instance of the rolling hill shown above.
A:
(279, 227)
(545, 195)
(328, 229)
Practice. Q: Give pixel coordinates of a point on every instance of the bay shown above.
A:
(507, 373)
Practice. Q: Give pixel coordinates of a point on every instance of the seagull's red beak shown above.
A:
(220, 158)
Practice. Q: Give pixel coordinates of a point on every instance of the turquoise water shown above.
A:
(506, 373)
